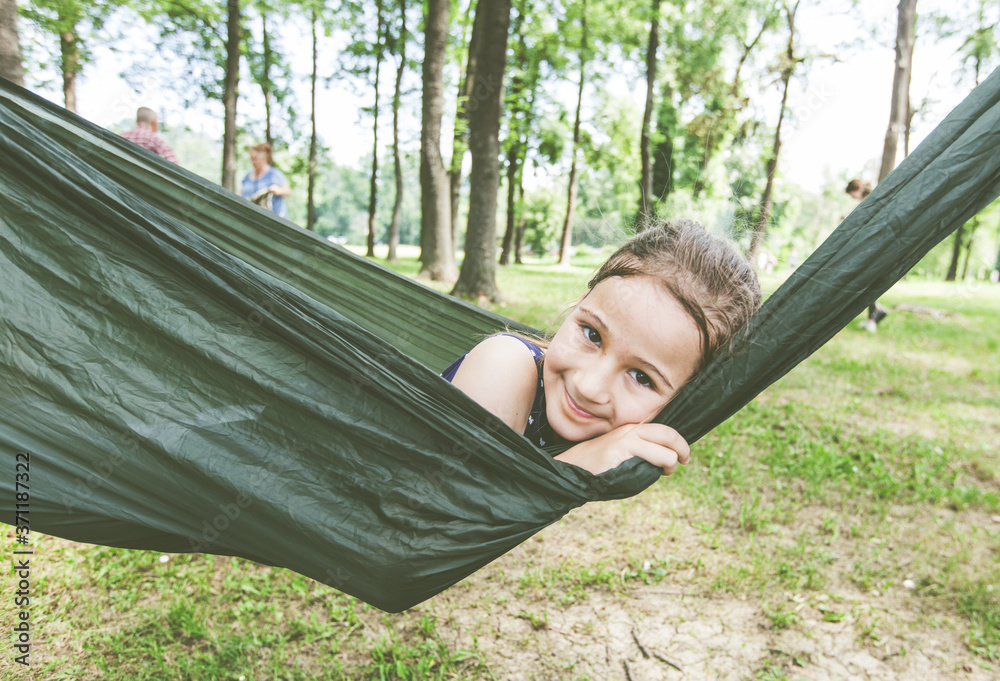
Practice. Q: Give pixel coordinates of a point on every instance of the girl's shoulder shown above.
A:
(501, 374)
(537, 352)
(502, 351)
(506, 349)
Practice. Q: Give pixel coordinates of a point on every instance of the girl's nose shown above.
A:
(593, 381)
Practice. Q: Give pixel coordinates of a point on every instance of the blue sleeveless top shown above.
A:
(537, 429)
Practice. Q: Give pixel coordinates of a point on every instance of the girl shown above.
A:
(654, 314)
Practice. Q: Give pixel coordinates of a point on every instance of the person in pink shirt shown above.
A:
(145, 134)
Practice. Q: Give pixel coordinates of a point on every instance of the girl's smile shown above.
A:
(623, 353)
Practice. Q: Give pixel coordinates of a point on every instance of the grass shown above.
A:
(871, 464)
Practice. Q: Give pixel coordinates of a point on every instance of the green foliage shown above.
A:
(782, 618)
(193, 32)
(698, 41)
(662, 141)
(543, 220)
(429, 658)
(981, 253)
(977, 25)
(84, 21)
(269, 64)
(980, 603)
(341, 197)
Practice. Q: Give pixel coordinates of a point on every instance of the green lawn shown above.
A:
(850, 515)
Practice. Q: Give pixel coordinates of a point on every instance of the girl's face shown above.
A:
(623, 353)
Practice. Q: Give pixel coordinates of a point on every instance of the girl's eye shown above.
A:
(591, 334)
(642, 378)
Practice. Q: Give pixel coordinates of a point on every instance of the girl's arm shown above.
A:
(500, 374)
(660, 445)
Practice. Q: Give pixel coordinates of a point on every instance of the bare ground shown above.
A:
(521, 618)
(676, 629)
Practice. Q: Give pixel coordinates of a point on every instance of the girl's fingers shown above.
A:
(665, 436)
(661, 457)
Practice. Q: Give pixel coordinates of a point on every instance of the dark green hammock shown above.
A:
(189, 373)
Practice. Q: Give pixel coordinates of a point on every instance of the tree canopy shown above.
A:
(606, 110)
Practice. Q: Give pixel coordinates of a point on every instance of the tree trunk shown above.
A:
(567, 230)
(373, 191)
(646, 195)
(477, 279)
(311, 201)
(905, 36)
(230, 94)
(996, 265)
(519, 237)
(69, 50)
(968, 246)
(460, 137)
(663, 165)
(437, 255)
(521, 95)
(956, 252)
(11, 66)
(265, 85)
(397, 206)
(767, 200)
(513, 165)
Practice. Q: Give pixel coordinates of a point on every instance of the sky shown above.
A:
(841, 113)
(838, 115)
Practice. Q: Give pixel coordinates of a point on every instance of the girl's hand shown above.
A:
(660, 445)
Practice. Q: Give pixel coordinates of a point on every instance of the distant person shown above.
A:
(858, 189)
(144, 134)
(265, 185)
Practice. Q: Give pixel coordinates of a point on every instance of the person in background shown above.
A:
(265, 185)
(145, 134)
(858, 189)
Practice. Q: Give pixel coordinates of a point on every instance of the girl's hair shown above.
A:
(705, 273)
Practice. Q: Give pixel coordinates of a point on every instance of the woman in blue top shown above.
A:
(265, 185)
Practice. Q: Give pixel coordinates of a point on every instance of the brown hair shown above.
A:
(706, 274)
(263, 148)
(856, 185)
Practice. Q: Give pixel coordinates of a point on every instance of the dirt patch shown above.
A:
(839, 632)
(523, 620)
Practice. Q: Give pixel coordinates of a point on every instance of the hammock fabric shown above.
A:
(190, 373)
